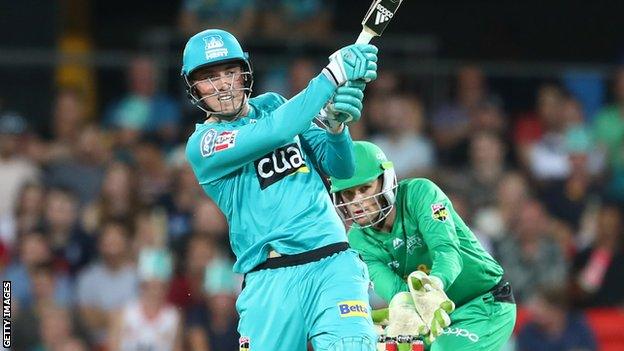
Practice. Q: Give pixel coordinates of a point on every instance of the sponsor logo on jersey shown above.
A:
(413, 242)
(280, 163)
(225, 140)
(353, 308)
(462, 333)
(243, 343)
(213, 46)
(439, 212)
(207, 142)
(397, 242)
(393, 264)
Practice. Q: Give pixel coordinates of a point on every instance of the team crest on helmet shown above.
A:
(214, 47)
(439, 212)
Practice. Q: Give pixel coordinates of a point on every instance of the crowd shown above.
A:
(109, 242)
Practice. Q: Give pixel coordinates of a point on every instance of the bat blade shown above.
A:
(379, 15)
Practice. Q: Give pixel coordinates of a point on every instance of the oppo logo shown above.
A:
(278, 164)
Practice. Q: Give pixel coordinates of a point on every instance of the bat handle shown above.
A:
(365, 36)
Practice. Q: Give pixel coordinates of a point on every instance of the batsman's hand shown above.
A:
(431, 302)
(403, 318)
(353, 62)
(345, 106)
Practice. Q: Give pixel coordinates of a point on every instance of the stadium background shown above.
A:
(515, 109)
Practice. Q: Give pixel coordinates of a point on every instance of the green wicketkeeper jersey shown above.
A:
(427, 235)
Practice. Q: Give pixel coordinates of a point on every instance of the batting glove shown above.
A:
(353, 62)
(345, 106)
(431, 302)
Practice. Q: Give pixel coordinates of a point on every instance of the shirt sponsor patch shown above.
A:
(278, 164)
(353, 308)
(208, 142)
(439, 212)
(225, 140)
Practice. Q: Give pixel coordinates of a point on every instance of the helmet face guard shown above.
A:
(383, 201)
(214, 47)
(233, 111)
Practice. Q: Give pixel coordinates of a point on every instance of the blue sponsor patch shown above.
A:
(208, 142)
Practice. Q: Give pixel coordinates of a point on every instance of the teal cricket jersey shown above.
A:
(261, 172)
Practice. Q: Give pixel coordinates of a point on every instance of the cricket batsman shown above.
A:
(423, 259)
(259, 160)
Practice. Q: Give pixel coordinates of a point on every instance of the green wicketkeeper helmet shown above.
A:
(370, 164)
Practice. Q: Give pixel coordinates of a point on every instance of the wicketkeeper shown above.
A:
(423, 259)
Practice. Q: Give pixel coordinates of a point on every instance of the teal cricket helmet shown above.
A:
(213, 47)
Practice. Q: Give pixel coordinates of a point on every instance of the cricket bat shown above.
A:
(377, 18)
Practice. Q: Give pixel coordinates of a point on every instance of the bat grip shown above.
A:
(364, 37)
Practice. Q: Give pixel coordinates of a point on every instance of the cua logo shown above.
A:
(278, 164)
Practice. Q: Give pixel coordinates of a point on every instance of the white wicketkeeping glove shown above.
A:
(403, 318)
(431, 302)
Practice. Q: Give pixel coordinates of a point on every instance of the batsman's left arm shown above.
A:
(333, 153)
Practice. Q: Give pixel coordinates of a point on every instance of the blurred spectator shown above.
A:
(402, 137)
(186, 289)
(180, 203)
(34, 251)
(73, 344)
(597, 274)
(209, 221)
(15, 171)
(149, 323)
(28, 214)
(117, 201)
(30, 320)
(83, 172)
(109, 283)
(150, 226)
(68, 120)
(540, 137)
(496, 220)
(487, 165)
(144, 109)
(291, 81)
(153, 175)
(530, 255)
(212, 324)
(295, 19)
(235, 16)
(72, 248)
(452, 122)
(553, 326)
(57, 329)
(608, 130)
(567, 199)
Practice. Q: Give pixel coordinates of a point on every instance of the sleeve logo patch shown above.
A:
(207, 142)
(225, 140)
(243, 343)
(439, 212)
(353, 308)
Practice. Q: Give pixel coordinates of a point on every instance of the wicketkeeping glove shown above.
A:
(353, 62)
(403, 318)
(431, 302)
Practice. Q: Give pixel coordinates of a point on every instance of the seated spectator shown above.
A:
(208, 220)
(402, 136)
(597, 271)
(608, 124)
(57, 329)
(452, 122)
(235, 16)
(529, 254)
(69, 117)
(118, 200)
(15, 170)
(212, 324)
(295, 19)
(83, 171)
(553, 326)
(27, 216)
(107, 284)
(72, 248)
(149, 322)
(144, 109)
